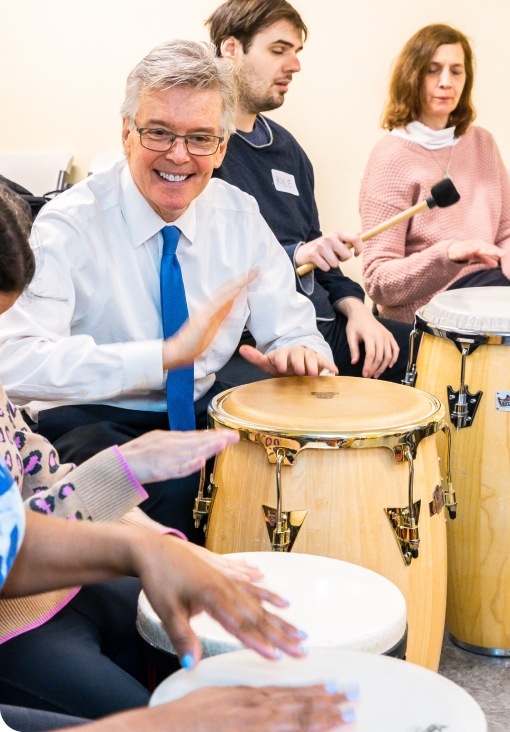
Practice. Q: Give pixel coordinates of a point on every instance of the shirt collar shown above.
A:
(427, 138)
(141, 220)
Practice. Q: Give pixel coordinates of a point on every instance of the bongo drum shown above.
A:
(395, 696)
(338, 604)
(340, 467)
(464, 359)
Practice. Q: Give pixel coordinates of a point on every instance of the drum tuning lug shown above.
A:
(450, 501)
(283, 534)
(463, 404)
(411, 373)
(203, 504)
(406, 531)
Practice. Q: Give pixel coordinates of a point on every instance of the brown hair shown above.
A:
(243, 19)
(17, 262)
(405, 93)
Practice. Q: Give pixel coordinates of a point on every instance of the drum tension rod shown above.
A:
(463, 404)
(411, 373)
(283, 526)
(404, 521)
(450, 499)
(203, 503)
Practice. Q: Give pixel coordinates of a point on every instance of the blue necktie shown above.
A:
(174, 310)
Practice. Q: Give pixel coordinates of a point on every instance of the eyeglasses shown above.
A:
(159, 140)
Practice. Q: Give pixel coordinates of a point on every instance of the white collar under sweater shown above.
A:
(427, 138)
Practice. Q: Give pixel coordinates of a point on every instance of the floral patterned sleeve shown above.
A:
(102, 489)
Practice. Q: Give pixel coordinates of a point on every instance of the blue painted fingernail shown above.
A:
(303, 649)
(331, 686)
(187, 661)
(278, 654)
(348, 713)
(351, 692)
(287, 602)
(302, 634)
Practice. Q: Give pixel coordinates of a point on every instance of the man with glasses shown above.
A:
(125, 256)
(263, 39)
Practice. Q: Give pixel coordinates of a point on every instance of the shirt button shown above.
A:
(84, 392)
(144, 383)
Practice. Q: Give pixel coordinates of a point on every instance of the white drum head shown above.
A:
(396, 696)
(338, 604)
(476, 309)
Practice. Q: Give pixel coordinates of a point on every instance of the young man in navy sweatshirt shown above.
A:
(263, 39)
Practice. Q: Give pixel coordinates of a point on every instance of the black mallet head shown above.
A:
(443, 194)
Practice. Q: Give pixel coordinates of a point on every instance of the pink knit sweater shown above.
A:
(407, 265)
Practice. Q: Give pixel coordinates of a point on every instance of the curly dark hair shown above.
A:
(17, 261)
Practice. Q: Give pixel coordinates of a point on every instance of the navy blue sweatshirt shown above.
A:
(293, 218)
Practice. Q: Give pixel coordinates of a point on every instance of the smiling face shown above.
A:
(266, 69)
(443, 85)
(169, 181)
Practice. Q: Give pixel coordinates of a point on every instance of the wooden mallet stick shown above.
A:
(443, 194)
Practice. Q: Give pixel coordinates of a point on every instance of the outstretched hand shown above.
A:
(179, 585)
(295, 361)
(203, 323)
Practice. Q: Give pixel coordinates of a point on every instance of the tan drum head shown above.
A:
(325, 405)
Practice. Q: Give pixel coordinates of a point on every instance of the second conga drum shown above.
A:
(464, 359)
(340, 467)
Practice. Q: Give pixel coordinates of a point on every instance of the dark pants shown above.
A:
(484, 278)
(33, 720)
(81, 431)
(238, 371)
(86, 661)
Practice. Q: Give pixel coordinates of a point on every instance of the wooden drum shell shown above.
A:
(478, 605)
(345, 492)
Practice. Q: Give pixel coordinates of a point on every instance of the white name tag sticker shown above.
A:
(285, 182)
(503, 401)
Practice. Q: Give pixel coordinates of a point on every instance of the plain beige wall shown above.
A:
(63, 65)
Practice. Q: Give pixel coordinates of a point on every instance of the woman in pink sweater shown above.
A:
(429, 114)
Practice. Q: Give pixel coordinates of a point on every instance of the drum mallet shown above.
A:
(443, 194)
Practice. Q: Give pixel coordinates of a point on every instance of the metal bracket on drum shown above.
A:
(203, 504)
(404, 521)
(411, 373)
(450, 499)
(462, 404)
(282, 526)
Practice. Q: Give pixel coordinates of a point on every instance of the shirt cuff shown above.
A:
(143, 366)
(307, 281)
(129, 473)
(174, 532)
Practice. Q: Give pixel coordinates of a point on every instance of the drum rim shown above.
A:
(451, 333)
(342, 439)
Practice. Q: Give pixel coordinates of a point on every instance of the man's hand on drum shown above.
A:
(381, 348)
(203, 323)
(294, 361)
(328, 251)
(474, 252)
(234, 708)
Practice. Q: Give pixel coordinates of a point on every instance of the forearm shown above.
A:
(56, 554)
(349, 306)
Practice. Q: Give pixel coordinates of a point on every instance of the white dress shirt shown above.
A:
(89, 328)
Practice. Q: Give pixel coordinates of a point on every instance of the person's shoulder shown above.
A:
(225, 197)
(479, 136)
(283, 136)
(85, 200)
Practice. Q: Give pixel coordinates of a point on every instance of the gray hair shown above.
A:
(183, 63)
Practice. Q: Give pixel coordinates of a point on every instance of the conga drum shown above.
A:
(394, 696)
(340, 467)
(339, 605)
(464, 359)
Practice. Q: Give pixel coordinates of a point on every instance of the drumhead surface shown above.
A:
(326, 404)
(476, 309)
(396, 696)
(337, 603)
